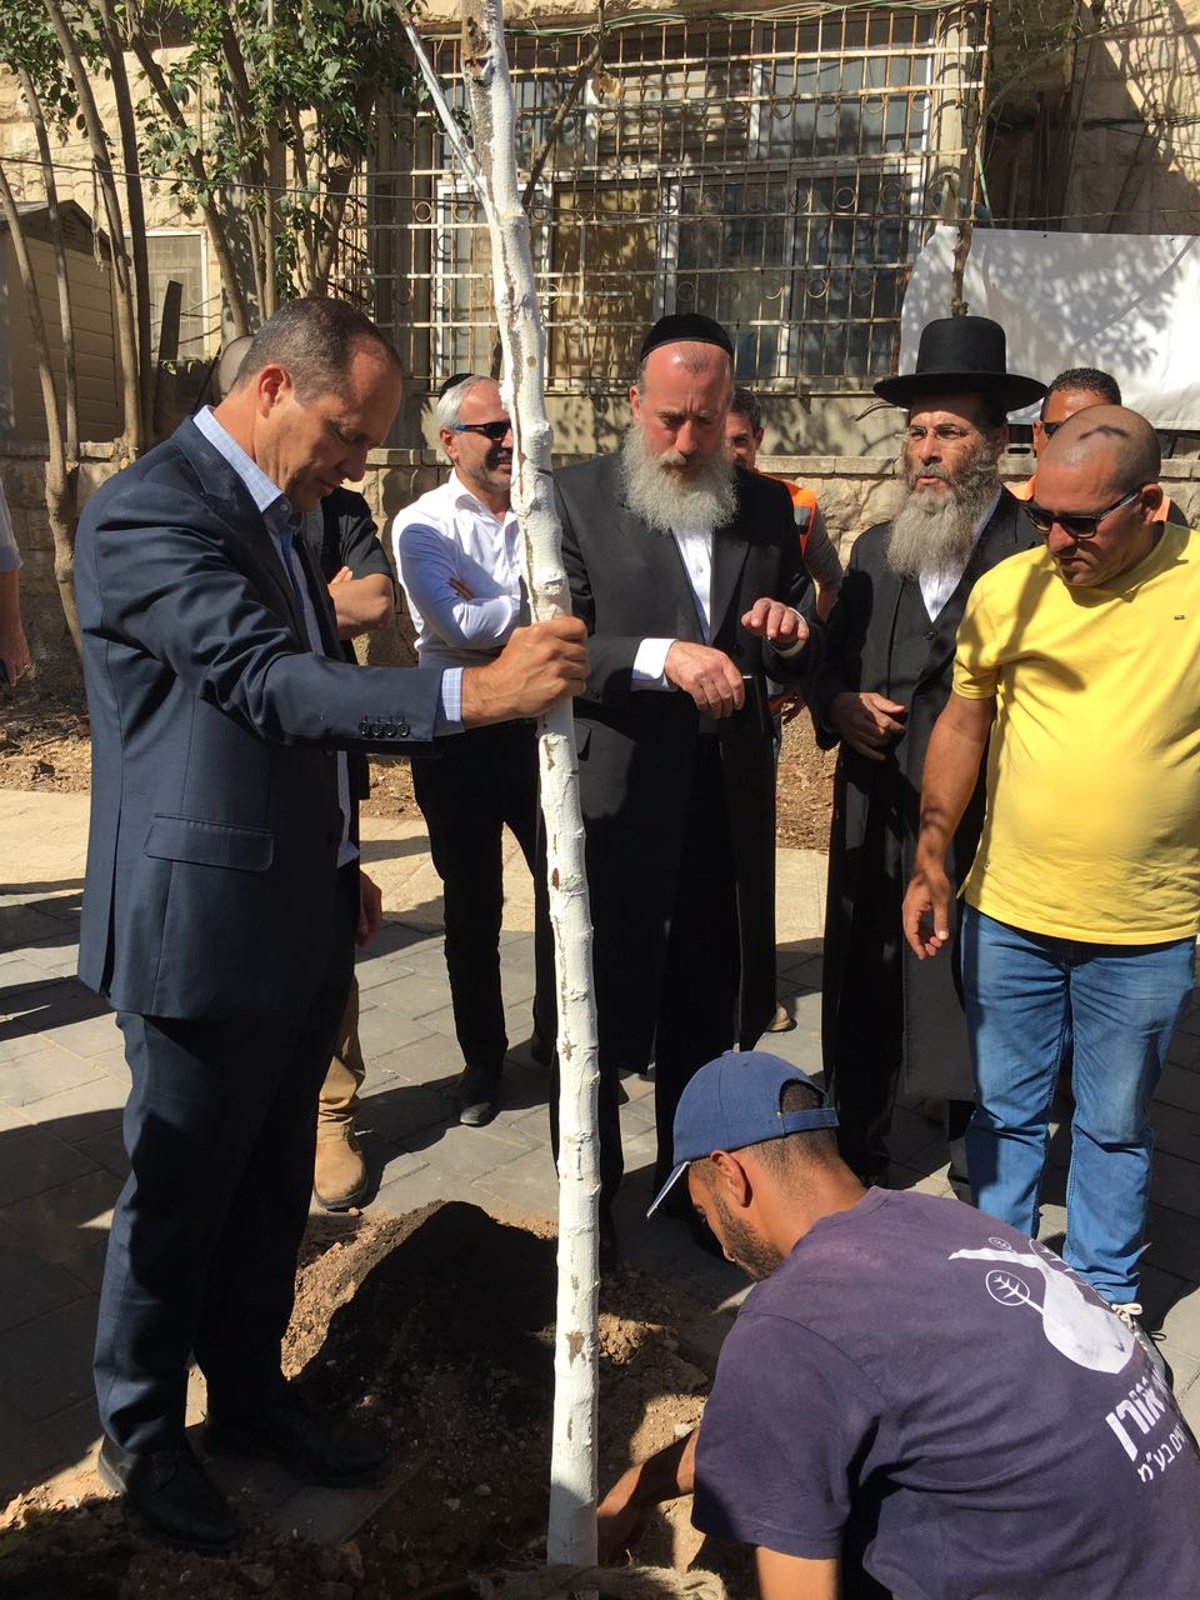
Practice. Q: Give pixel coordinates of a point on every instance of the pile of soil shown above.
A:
(44, 744)
(436, 1330)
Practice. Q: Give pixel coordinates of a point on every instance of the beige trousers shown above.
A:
(339, 1093)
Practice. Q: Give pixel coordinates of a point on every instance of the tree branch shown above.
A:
(565, 106)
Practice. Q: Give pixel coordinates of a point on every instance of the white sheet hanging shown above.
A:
(1124, 302)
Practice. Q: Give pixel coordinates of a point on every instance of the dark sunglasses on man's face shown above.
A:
(495, 431)
(1051, 428)
(1079, 524)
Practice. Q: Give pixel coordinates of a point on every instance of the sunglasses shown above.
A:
(1079, 524)
(495, 431)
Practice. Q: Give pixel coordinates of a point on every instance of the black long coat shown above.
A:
(638, 749)
(859, 655)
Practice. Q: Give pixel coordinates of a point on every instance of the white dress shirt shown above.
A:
(938, 585)
(696, 552)
(447, 535)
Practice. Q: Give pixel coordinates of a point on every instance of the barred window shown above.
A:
(779, 175)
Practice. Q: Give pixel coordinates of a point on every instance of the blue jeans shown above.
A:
(1028, 995)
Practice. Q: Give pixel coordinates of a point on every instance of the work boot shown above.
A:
(340, 1178)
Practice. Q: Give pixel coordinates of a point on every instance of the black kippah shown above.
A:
(686, 327)
(453, 383)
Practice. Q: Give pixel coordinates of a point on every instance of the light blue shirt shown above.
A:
(280, 520)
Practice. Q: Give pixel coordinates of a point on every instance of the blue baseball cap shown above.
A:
(734, 1102)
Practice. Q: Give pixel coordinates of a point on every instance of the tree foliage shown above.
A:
(263, 112)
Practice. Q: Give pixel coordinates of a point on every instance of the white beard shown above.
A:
(704, 499)
(935, 532)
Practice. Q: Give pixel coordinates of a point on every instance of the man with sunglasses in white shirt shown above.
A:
(1075, 673)
(458, 555)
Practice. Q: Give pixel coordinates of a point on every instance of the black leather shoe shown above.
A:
(333, 1456)
(171, 1494)
(478, 1097)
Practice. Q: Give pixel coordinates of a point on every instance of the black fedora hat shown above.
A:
(958, 354)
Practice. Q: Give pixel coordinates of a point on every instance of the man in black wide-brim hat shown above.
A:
(888, 1019)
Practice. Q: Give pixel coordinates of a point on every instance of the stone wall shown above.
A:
(853, 492)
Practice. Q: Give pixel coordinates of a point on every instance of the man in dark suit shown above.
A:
(884, 677)
(687, 572)
(223, 896)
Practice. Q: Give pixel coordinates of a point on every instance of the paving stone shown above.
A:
(30, 1285)
(464, 1154)
(86, 1036)
(43, 1072)
(381, 1028)
(398, 1114)
(1185, 1049)
(411, 994)
(33, 1160)
(107, 1150)
(75, 1432)
(45, 1365)
(1179, 1087)
(82, 1113)
(51, 1003)
(1173, 1242)
(68, 1224)
(26, 924)
(418, 1186)
(528, 1181)
(433, 1058)
(1181, 1324)
(28, 1452)
(17, 1041)
(1177, 1132)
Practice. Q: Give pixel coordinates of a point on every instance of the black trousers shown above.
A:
(868, 1051)
(700, 978)
(486, 778)
(220, 1129)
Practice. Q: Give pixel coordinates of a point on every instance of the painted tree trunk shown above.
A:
(491, 166)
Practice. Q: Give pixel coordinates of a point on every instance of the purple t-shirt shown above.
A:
(919, 1386)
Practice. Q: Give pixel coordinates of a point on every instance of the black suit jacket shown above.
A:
(211, 874)
(859, 656)
(638, 748)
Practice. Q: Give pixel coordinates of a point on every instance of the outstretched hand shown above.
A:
(778, 624)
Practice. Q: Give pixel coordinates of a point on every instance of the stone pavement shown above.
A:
(63, 1083)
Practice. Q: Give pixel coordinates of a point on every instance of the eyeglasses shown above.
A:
(1051, 428)
(1079, 524)
(495, 431)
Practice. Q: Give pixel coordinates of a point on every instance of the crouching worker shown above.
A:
(915, 1399)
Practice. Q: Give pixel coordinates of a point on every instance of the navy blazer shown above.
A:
(212, 857)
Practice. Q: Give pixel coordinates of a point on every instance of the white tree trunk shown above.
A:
(491, 166)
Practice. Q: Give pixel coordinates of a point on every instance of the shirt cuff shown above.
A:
(650, 664)
(449, 717)
(791, 649)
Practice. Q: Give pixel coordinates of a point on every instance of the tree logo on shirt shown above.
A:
(1075, 1321)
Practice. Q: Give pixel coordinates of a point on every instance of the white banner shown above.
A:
(1124, 302)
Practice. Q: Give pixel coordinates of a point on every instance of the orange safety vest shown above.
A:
(804, 508)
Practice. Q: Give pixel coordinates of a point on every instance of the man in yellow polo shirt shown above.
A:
(1076, 674)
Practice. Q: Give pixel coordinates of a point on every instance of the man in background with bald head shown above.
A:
(687, 571)
(1075, 672)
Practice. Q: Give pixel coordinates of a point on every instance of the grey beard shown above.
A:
(703, 500)
(936, 532)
